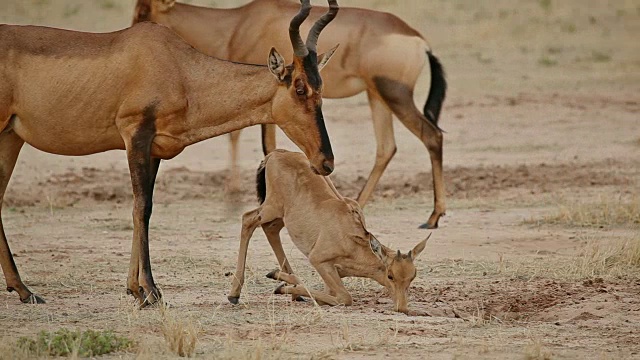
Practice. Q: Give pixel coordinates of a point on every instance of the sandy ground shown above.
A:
(543, 112)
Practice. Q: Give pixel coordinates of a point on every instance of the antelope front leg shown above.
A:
(10, 145)
(250, 221)
(143, 170)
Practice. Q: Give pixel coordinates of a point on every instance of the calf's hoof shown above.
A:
(33, 299)
(278, 290)
(234, 300)
(273, 274)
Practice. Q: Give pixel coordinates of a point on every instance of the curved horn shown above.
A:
(299, 48)
(314, 33)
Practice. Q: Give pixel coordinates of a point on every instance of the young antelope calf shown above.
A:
(326, 227)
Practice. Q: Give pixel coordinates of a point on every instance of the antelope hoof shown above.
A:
(299, 298)
(428, 226)
(273, 274)
(135, 294)
(151, 298)
(234, 300)
(432, 223)
(278, 290)
(33, 299)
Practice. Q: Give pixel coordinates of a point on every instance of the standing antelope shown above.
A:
(146, 91)
(380, 54)
(326, 227)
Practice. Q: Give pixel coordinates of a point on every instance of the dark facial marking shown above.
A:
(325, 144)
(310, 64)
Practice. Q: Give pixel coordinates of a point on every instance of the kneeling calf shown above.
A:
(326, 227)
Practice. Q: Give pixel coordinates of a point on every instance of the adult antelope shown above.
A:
(327, 228)
(146, 91)
(380, 54)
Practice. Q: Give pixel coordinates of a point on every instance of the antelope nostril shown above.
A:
(327, 166)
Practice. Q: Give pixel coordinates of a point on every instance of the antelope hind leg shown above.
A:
(320, 297)
(399, 97)
(279, 275)
(272, 231)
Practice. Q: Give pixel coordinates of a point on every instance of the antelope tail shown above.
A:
(437, 91)
(261, 180)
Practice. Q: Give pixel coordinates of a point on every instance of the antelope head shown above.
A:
(297, 104)
(400, 271)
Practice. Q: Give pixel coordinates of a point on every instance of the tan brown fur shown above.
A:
(373, 45)
(327, 228)
(146, 91)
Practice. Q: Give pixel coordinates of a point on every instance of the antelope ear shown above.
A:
(276, 64)
(376, 247)
(323, 59)
(415, 252)
(164, 5)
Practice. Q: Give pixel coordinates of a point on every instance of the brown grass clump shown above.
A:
(64, 342)
(180, 333)
(537, 351)
(599, 257)
(619, 258)
(604, 213)
(10, 350)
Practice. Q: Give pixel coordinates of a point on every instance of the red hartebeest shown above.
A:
(327, 228)
(380, 54)
(146, 91)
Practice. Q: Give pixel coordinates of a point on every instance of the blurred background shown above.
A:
(502, 43)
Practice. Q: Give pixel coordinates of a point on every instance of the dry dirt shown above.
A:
(543, 110)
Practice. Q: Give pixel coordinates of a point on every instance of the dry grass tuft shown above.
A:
(598, 258)
(537, 351)
(604, 213)
(180, 332)
(9, 350)
(69, 343)
(619, 258)
(249, 350)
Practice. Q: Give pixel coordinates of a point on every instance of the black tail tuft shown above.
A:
(261, 181)
(437, 91)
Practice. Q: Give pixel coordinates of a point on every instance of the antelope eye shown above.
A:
(301, 89)
(390, 277)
